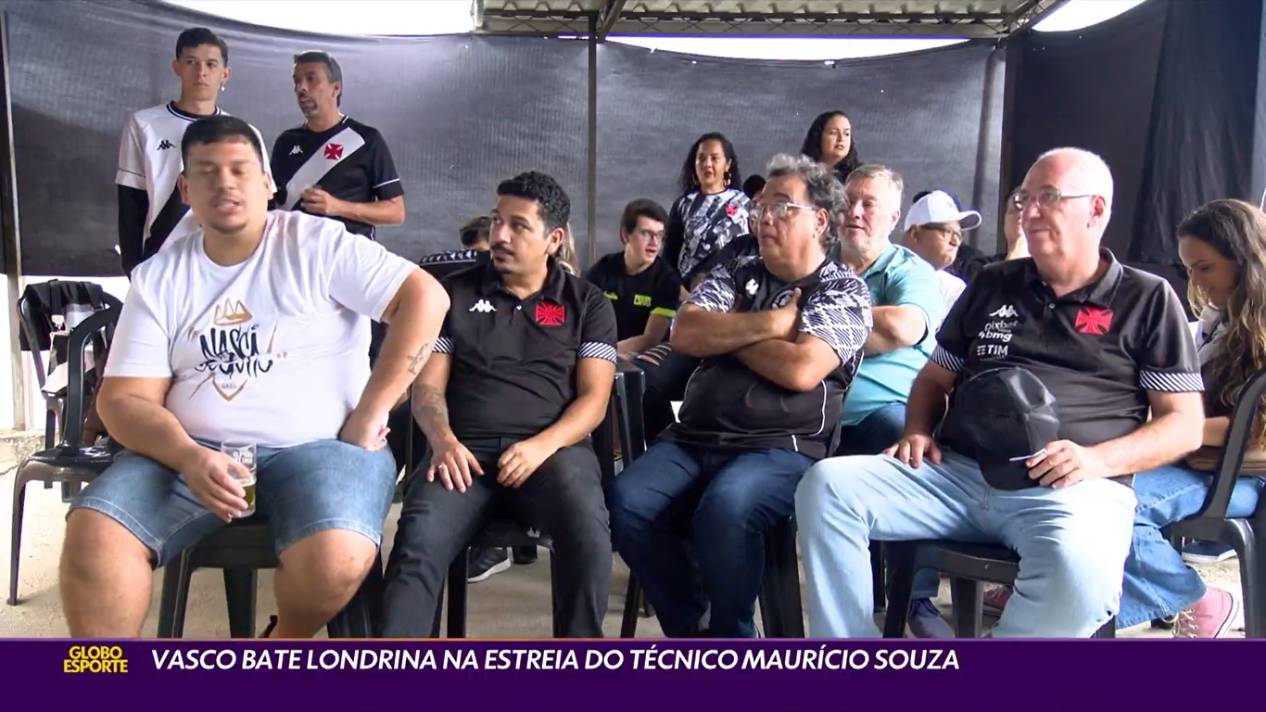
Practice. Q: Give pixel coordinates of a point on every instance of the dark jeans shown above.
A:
(691, 524)
(562, 498)
(870, 437)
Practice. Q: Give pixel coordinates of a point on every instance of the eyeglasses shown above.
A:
(945, 230)
(778, 211)
(1046, 198)
(650, 234)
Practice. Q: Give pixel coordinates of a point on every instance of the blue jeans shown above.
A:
(690, 522)
(300, 490)
(1157, 582)
(1072, 542)
(872, 436)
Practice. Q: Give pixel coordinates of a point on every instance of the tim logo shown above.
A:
(550, 314)
(333, 151)
(1006, 311)
(1094, 321)
(94, 659)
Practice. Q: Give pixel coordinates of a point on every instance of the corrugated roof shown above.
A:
(821, 18)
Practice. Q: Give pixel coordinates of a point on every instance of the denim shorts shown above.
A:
(300, 490)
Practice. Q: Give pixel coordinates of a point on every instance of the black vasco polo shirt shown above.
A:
(655, 290)
(514, 362)
(1098, 350)
(727, 405)
(349, 161)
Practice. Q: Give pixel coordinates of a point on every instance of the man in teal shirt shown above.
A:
(907, 308)
(907, 311)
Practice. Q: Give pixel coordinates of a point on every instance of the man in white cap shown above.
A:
(934, 231)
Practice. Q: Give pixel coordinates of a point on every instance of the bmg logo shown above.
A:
(95, 658)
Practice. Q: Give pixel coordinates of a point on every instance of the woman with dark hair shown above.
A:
(712, 209)
(1223, 246)
(830, 142)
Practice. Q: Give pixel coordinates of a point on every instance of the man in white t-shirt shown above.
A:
(253, 329)
(934, 231)
(150, 208)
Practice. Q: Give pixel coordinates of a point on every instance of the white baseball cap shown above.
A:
(938, 207)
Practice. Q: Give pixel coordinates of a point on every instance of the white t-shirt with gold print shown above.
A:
(273, 350)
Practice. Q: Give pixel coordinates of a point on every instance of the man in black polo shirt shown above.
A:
(781, 337)
(333, 165)
(1107, 342)
(643, 289)
(520, 377)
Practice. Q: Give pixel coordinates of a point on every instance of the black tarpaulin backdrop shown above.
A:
(461, 113)
(918, 113)
(1165, 93)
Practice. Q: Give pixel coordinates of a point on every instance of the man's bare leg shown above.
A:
(106, 577)
(318, 575)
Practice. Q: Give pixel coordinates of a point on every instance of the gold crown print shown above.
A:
(231, 312)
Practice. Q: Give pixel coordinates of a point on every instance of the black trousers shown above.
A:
(563, 498)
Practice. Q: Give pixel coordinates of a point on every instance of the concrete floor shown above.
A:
(514, 604)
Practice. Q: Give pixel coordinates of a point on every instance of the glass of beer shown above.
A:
(245, 454)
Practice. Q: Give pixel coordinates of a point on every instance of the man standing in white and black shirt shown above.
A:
(150, 208)
(332, 165)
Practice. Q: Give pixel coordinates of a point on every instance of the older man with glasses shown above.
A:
(780, 336)
(1064, 373)
(934, 231)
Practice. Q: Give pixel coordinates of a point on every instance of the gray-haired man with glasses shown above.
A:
(1111, 386)
(780, 335)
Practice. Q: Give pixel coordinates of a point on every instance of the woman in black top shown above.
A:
(830, 142)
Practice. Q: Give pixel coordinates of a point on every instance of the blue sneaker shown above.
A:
(926, 622)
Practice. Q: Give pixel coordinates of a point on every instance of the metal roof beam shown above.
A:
(609, 16)
(898, 24)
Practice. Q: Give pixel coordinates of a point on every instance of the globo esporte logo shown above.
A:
(94, 659)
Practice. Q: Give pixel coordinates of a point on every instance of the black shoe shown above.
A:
(482, 563)
(524, 554)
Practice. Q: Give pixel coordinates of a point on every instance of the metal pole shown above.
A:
(592, 223)
(9, 220)
(992, 63)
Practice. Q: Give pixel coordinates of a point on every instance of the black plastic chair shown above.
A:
(68, 463)
(623, 409)
(967, 565)
(40, 308)
(242, 549)
(1248, 535)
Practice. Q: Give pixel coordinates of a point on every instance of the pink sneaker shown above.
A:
(996, 598)
(1210, 617)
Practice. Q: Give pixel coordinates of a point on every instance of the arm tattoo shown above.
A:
(424, 352)
(429, 407)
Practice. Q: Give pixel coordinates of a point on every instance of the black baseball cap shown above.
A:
(1001, 417)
